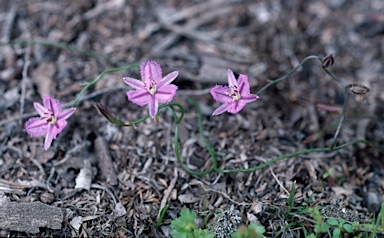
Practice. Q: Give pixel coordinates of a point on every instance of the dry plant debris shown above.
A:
(132, 173)
(29, 216)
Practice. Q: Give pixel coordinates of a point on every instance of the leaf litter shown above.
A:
(132, 172)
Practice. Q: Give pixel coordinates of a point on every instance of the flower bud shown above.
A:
(108, 114)
(328, 61)
(358, 88)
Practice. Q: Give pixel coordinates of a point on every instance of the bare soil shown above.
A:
(130, 174)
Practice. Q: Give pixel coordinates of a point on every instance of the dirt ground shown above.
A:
(130, 174)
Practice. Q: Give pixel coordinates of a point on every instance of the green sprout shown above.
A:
(185, 226)
(252, 231)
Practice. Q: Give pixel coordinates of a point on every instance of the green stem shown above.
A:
(289, 155)
(172, 104)
(178, 157)
(343, 113)
(169, 105)
(61, 46)
(337, 79)
(345, 104)
(206, 143)
(346, 98)
(214, 166)
(89, 84)
(201, 131)
(289, 73)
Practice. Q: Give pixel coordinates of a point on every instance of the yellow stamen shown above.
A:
(50, 118)
(152, 87)
(234, 93)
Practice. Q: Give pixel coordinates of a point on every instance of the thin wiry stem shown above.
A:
(114, 120)
(289, 73)
(178, 119)
(333, 76)
(63, 47)
(214, 166)
(89, 84)
(365, 90)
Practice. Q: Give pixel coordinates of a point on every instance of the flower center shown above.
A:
(234, 93)
(151, 86)
(49, 117)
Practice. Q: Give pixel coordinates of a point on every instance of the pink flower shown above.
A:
(233, 97)
(153, 89)
(51, 122)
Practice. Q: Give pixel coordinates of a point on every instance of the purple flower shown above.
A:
(233, 97)
(51, 122)
(153, 89)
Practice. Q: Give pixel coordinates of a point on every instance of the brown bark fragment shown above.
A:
(29, 217)
(105, 162)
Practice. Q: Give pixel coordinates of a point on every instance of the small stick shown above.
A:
(168, 191)
(24, 80)
(105, 162)
(65, 105)
(8, 25)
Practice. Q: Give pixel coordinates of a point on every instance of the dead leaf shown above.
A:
(42, 77)
(29, 217)
(188, 198)
(84, 178)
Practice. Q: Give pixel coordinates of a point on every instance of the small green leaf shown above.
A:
(332, 222)
(336, 233)
(355, 224)
(328, 173)
(321, 227)
(162, 213)
(242, 232)
(253, 230)
(291, 197)
(199, 233)
(256, 229)
(184, 225)
(348, 228)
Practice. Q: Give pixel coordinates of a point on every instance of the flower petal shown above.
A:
(134, 83)
(243, 85)
(140, 97)
(223, 108)
(36, 127)
(249, 98)
(58, 128)
(49, 137)
(231, 78)
(66, 114)
(220, 94)
(52, 104)
(53, 131)
(168, 79)
(150, 70)
(40, 109)
(153, 106)
(166, 93)
(245, 89)
(236, 106)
